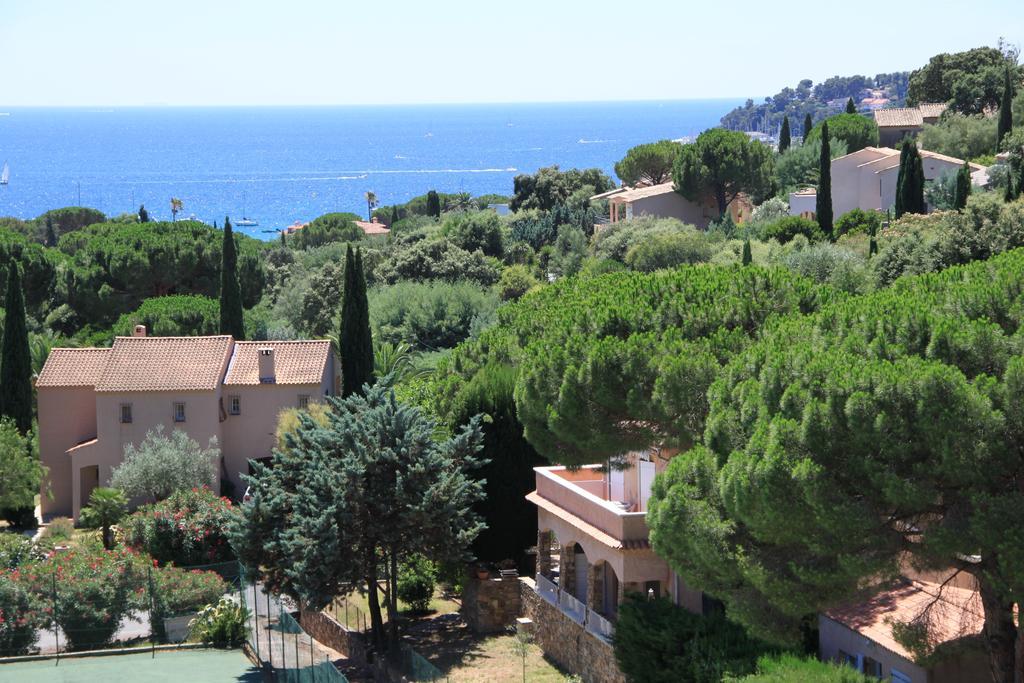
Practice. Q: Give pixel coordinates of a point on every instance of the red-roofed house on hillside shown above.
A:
(94, 402)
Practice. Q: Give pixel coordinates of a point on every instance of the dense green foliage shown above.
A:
(374, 480)
(331, 227)
(855, 130)
(785, 229)
(1005, 124)
(787, 668)
(106, 508)
(823, 198)
(910, 181)
(963, 187)
(65, 220)
(172, 316)
(859, 221)
(829, 435)
(650, 164)
(668, 250)
(428, 315)
(657, 642)
(432, 259)
(971, 80)
(959, 136)
(722, 164)
(20, 470)
(799, 166)
(15, 357)
(477, 231)
(416, 580)
(355, 340)
(549, 187)
(231, 320)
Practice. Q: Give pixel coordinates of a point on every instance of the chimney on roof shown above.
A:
(266, 367)
(139, 331)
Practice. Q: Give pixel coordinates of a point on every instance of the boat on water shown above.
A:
(5, 174)
(246, 222)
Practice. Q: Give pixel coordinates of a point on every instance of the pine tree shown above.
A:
(963, 187)
(231, 319)
(851, 108)
(16, 359)
(1005, 125)
(823, 201)
(355, 340)
(784, 137)
(808, 125)
(433, 204)
(747, 257)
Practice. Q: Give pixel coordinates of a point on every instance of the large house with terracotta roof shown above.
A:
(897, 123)
(95, 401)
(662, 201)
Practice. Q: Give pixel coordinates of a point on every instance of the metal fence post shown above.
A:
(256, 621)
(152, 608)
(56, 635)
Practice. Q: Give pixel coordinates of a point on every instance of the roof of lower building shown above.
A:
(295, 362)
(73, 367)
(165, 364)
(373, 227)
(949, 612)
(633, 194)
(908, 117)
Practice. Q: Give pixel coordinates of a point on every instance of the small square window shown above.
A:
(126, 413)
(235, 405)
(303, 400)
(179, 412)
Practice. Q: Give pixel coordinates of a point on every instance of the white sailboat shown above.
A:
(246, 222)
(5, 174)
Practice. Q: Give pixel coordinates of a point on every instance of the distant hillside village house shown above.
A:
(662, 201)
(94, 401)
(866, 179)
(369, 228)
(902, 122)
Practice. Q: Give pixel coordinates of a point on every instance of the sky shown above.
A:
(337, 52)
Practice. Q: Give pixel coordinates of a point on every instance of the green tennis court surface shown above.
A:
(188, 666)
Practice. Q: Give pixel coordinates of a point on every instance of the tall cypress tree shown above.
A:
(910, 188)
(963, 187)
(1005, 125)
(784, 136)
(1010, 193)
(16, 359)
(851, 108)
(394, 216)
(231, 320)
(355, 340)
(808, 124)
(747, 256)
(433, 204)
(823, 201)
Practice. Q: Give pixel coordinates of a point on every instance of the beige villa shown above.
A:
(662, 201)
(95, 401)
(592, 540)
(866, 179)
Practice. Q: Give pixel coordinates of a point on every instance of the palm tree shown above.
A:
(371, 204)
(106, 508)
(39, 346)
(176, 206)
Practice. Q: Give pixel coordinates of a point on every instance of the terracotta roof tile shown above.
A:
(73, 367)
(295, 362)
(372, 227)
(165, 364)
(951, 613)
(932, 109)
(899, 117)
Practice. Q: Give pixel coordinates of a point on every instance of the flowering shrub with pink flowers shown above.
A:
(89, 592)
(18, 618)
(188, 528)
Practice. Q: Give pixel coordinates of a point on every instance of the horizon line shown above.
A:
(167, 105)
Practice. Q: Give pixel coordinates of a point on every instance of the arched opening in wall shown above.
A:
(604, 590)
(549, 552)
(581, 565)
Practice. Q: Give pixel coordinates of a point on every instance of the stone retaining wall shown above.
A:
(491, 605)
(326, 630)
(566, 642)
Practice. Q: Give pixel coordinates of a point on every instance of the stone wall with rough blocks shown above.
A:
(491, 605)
(326, 630)
(566, 642)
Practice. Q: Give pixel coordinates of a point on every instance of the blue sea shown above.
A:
(278, 165)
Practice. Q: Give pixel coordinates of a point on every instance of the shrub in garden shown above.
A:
(15, 549)
(59, 529)
(787, 228)
(177, 591)
(416, 580)
(18, 618)
(858, 221)
(92, 592)
(186, 529)
(221, 625)
(161, 465)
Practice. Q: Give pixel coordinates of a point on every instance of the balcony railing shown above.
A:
(577, 493)
(570, 606)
